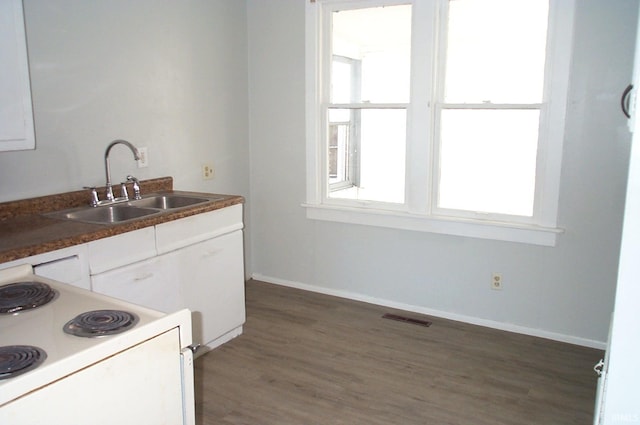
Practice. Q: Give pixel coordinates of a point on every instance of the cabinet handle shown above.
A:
(143, 277)
(624, 100)
(211, 253)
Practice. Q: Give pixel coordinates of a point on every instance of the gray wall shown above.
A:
(168, 75)
(565, 292)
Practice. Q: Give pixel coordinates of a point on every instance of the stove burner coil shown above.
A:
(98, 323)
(21, 296)
(18, 359)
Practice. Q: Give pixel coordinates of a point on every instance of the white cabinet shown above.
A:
(152, 283)
(211, 278)
(196, 263)
(67, 265)
(16, 115)
(177, 234)
(70, 269)
(120, 250)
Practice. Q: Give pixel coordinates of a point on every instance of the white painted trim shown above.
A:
(313, 38)
(553, 114)
(508, 327)
(368, 106)
(483, 229)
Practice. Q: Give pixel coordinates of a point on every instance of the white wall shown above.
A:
(565, 292)
(168, 75)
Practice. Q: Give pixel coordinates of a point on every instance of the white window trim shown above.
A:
(416, 214)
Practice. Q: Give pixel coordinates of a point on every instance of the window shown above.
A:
(438, 115)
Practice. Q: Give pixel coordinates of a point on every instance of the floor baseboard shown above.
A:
(509, 327)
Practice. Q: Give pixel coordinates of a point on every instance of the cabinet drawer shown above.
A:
(197, 228)
(68, 265)
(152, 283)
(115, 251)
(71, 270)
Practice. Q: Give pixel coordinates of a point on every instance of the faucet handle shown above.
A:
(94, 195)
(109, 193)
(136, 187)
(124, 195)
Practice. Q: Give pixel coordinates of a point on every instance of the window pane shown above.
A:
(339, 152)
(488, 160)
(378, 140)
(378, 42)
(342, 79)
(496, 51)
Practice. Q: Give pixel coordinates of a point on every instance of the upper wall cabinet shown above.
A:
(16, 113)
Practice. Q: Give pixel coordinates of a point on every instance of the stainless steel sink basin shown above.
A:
(130, 210)
(167, 202)
(105, 214)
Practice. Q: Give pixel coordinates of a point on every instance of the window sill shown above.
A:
(511, 232)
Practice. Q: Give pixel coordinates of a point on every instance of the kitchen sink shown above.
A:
(130, 210)
(105, 214)
(167, 202)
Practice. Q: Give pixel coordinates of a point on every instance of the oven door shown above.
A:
(141, 385)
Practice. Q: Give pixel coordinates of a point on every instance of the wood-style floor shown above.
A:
(307, 358)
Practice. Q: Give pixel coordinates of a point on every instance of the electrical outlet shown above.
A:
(144, 158)
(207, 171)
(496, 281)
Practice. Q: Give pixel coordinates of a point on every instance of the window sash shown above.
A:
(330, 191)
(489, 106)
(436, 169)
(363, 155)
(478, 213)
(437, 142)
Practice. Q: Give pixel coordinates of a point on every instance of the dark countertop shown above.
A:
(25, 231)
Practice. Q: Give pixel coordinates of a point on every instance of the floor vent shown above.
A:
(406, 319)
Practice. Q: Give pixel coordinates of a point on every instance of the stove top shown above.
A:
(18, 359)
(97, 323)
(19, 296)
(56, 352)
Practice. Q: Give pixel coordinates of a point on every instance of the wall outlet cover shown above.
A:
(496, 281)
(207, 171)
(144, 158)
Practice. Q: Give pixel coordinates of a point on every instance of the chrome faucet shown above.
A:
(136, 156)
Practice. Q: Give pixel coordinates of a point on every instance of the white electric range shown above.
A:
(142, 367)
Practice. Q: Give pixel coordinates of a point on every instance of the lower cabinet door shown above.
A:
(212, 284)
(206, 277)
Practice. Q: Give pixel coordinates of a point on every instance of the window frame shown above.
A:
(419, 212)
